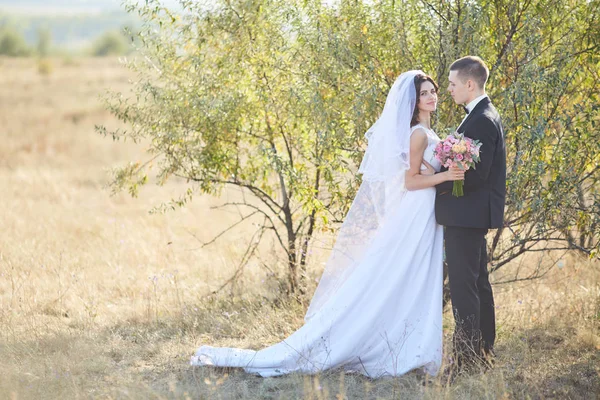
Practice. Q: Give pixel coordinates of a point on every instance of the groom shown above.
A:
(468, 218)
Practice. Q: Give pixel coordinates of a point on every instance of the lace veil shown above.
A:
(383, 168)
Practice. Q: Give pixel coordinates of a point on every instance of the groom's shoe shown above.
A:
(488, 358)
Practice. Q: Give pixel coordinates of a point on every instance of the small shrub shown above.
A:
(12, 43)
(45, 66)
(112, 43)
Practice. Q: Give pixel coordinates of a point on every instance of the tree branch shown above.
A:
(214, 239)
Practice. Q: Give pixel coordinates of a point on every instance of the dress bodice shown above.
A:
(432, 141)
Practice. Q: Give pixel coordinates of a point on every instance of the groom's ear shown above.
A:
(471, 85)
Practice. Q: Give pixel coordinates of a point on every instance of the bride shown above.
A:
(378, 307)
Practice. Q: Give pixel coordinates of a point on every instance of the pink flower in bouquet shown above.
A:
(458, 151)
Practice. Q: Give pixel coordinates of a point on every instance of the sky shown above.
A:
(64, 7)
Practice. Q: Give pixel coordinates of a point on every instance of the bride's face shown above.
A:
(427, 97)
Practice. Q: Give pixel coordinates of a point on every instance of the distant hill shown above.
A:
(73, 24)
(40, 7)
(62, 7)
(72, 31)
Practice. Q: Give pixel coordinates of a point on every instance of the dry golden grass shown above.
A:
(99, 299)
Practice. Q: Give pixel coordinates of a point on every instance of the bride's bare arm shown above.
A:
(415, 180)
(429, 171)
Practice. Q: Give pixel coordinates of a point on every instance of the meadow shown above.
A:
(99, 298)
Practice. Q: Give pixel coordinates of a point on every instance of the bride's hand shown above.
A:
(455, 174)
(429, 171)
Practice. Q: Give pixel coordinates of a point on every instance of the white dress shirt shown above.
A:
(472, 105)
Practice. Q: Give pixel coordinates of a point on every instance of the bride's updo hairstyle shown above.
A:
(419, 79)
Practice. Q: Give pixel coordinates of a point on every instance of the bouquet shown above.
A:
(456, 150)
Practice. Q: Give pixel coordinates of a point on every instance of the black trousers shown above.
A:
(470, 291)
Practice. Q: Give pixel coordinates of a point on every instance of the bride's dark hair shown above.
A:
(419, 79)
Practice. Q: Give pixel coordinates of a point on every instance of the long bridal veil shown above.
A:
(383, 167)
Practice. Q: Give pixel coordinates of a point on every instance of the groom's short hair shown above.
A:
(471, 67)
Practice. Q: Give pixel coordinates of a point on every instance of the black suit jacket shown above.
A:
(482, 206)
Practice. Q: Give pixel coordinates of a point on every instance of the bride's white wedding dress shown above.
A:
(385, 316)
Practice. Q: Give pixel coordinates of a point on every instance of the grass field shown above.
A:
(100, 299)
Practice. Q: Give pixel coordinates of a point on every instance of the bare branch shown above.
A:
(435, 10)
(250, 250)
(214, 239)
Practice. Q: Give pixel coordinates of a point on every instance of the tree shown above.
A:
(111, 43)
(544, 61)
(12, 43)
(273, 97)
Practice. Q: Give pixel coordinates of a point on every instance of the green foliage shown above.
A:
(274, 97)
(12, 43)
(111, 43)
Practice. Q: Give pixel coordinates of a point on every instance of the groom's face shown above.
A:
(458, 89)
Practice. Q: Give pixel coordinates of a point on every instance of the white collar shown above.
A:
(475, 101)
